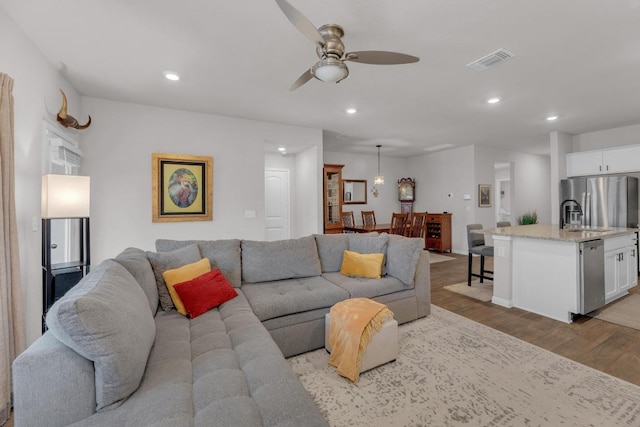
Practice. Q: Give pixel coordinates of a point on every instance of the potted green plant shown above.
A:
(529, 217)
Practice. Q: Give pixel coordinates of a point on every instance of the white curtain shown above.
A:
(11, 324)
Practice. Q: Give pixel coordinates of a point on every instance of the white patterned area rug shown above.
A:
(452, 371)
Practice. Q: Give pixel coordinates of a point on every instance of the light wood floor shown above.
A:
(602, 345)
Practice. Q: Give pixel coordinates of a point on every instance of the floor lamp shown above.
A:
(63, 197)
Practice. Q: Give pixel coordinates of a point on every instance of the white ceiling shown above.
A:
(576, 58)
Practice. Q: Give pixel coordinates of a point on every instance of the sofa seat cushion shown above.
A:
(284, 297)
(279, 260)
(358, 287)
(105, 318)
(219, 369)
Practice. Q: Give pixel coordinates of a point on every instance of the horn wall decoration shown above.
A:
(67, 120)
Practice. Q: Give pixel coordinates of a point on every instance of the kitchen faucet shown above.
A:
(562, 213)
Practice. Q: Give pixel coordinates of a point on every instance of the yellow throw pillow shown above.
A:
(355, 264)
(183, 274)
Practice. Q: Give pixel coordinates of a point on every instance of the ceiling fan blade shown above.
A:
(301, 22)
(380, 57)
(305, 77)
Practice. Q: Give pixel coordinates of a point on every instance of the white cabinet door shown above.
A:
(624, 278)
(620, 272)
(621, 160)
(610, 275)
(584, 163)
(632, 254)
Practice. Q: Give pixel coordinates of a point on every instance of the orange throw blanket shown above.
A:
(352, 324)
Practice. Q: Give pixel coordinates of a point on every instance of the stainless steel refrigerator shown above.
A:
(601, 201)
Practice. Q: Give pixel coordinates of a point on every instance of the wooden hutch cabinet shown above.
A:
(438, 232)
(332, 198)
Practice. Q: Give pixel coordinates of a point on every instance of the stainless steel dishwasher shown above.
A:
(591, 275)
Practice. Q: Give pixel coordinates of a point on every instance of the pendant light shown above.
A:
(378, 179)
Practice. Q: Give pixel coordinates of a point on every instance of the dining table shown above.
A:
(380, 228)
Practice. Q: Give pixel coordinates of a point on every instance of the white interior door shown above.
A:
(277, 204)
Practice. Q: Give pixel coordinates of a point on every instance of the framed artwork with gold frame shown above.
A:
(182, 187)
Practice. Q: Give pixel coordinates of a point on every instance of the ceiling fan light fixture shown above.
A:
(330, 70)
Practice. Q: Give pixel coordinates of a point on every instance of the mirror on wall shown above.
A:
(354, 192)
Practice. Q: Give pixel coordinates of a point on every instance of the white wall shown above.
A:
(529, 185)
(616, 137)
(560, 144)
(118, 149)
(36, 98)
(458, 171)
(365, 166)
(445, 172)
(308, 198)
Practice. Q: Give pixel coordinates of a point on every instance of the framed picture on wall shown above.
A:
(484, 195)
(182, 187)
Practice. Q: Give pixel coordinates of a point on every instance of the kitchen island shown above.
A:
(539, 267)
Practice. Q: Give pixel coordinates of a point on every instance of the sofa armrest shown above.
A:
(52, 385)
(422, 283)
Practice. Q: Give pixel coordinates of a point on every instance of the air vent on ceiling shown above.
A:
(490, 60)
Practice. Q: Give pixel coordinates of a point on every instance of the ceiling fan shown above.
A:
(330, 50)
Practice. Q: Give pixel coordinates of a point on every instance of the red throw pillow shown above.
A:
(205, 292)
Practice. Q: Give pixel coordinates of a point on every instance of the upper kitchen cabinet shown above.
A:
(599, 162)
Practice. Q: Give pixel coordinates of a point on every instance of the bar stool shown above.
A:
(478, 247)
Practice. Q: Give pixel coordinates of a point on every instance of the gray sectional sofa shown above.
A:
(112, 357)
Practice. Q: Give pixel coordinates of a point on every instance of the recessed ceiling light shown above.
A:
(493, 100)
(170, 75)
(282, 149)
(552, 117)
(351, 110)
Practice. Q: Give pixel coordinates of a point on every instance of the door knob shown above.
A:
(54, 245)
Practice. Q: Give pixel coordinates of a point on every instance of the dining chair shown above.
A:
(398, 223)
(348, 220)
(502, 224)
(417, 225)
(477, 246)
(368, 218)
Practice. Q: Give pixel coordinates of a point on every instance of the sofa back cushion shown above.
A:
(104, 319)
(403, 254)
(163, 261)
(222, 254)
(136, 262)
(330, 250)
(370, 243)
(280, 259)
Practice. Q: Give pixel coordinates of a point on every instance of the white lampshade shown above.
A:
(330, 70)
(65, 196)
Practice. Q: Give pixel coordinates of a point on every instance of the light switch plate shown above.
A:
(249, 213)
(466, 197)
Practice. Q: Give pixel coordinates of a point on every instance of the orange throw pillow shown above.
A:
(182, 274)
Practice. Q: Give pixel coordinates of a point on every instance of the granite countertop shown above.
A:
(553, 232)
